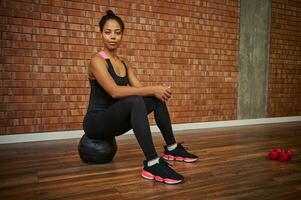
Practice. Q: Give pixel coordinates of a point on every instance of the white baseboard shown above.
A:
(58, 135)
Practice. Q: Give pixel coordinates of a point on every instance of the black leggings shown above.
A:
(131, 113)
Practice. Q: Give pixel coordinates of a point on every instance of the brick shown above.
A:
(48, 113)
(21, 106)
(48, 98)
(46, 68)
(45, 38)
(14, 99)
(70, 40)
(26, 121)
(17, 83)
(52, 127)
(76, 84)
(74, 98)
(53, 120)
(54, 106)
(47, 91)
(45, 83)
(82, 91)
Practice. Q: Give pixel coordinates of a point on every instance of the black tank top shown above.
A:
(99, 98)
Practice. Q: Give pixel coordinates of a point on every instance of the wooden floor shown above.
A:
(233, 164)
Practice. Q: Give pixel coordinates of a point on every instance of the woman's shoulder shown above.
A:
(97, 58)
(96, 55)
(97, 61)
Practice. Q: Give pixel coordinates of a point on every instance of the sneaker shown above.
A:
(161, 172)
(179, 154)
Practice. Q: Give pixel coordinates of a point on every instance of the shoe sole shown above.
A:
(150, 176)
(179, 158)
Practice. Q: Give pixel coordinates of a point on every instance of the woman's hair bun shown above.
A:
(110, 16)
(110, 13)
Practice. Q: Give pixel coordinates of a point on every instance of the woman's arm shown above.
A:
(99, 69)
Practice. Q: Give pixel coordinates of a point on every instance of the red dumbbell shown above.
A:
(278, 150)
(290, 153)
(283, 157)
(286, 155)
(274, 155)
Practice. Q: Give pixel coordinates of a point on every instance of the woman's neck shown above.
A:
(112, 54)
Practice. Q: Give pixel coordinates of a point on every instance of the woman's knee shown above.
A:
(152, 103)
(133, 101)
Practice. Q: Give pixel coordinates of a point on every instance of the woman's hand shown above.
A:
(162, 92)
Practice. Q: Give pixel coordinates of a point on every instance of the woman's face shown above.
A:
(111, 34)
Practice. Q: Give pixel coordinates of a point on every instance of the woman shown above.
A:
(118, 102)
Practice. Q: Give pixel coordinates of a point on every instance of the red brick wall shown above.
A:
(46, 45)
(285, 59)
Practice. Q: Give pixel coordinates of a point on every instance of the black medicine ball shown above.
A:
(96, 151)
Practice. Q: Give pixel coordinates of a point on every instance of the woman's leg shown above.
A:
(161, 117)
(126, 113)
(172, 151)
